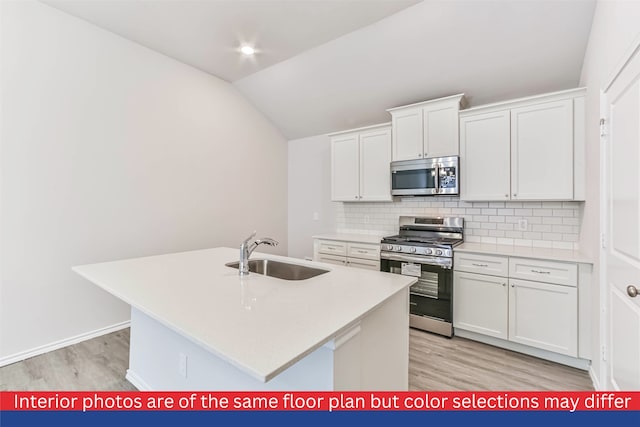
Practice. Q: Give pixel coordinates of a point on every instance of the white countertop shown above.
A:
(525, 251)
(359, 238)
(260, 324)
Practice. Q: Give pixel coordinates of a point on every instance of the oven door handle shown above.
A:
(439, 262)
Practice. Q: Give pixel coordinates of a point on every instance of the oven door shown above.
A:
(431, 295)
(414, 177)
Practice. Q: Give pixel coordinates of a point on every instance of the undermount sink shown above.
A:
(280, 270)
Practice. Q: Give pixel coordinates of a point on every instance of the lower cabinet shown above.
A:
(480, 304)
(535, 313)
(350, 254)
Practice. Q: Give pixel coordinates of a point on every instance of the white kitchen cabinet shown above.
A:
(480, 303)
(541, 312)
(426, 129)
(525, 149)
(542, 151)
(544, 315)
(351, 253)
(360, 164)
(485, 156)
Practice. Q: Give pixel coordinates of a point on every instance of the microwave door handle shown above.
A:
(437, 180)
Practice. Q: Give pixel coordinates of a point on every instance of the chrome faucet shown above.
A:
(247, 247)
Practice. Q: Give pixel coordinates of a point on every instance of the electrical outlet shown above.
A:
(182, 365)
(523, 225)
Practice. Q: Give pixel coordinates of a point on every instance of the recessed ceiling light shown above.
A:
(247, 50)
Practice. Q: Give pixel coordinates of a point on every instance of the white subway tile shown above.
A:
(437, 204)
(496, 204)
(472, 239)
(513, 204)
(496, 219)
(552, 204)
(489, 240)
(473, 224)
(522, 212)
(522, 242)
(481, 232)
(481, 218)
(551, 220)
(465, 204)
(496, 233)
(562, 229)
(534, 219)
(570, 237)
(489, 226)
(505, 226)
(542, 244)
(480, 204)
(513, 234)
(511, 219)
(542, 212)
(473, 211)
(450, 204)
(571, 205)
(552, 236)
(563, 245)
(542, 228)
(489, 212)
(505, 211)
(570, 221)
(504, 241)
(532, 235)
(563, 212)
(458, 211)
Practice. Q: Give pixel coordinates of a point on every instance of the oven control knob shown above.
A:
(427, 251)
(438, 252)
(397, 248)
(412, 250)
(387, 247)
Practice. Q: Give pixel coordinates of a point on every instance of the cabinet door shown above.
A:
(375, 174)
(480, 303)
(407, 134)
(366, 264)
(440, 133)
(542, 151)
(484, 156)
(344, 168)
(544, 316)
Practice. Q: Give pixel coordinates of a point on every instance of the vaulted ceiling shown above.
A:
(328, 65)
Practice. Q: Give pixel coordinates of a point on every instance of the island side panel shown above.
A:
(155, 364)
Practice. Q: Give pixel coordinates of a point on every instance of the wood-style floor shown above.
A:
(435, 363)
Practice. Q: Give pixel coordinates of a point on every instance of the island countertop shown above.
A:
(260, 324)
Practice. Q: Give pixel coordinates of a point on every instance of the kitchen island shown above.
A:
(197, 325)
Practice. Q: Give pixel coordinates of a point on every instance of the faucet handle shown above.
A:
(250, 237)
(267, 241)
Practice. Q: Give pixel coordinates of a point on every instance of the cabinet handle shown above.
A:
(506, 195)
(504, 284)
(413, 303)
(361, 252)
(355, 197)
(515, 195)
(480, 265)
(632, 291)
(513, 286)
(419, 154)
(540, 271)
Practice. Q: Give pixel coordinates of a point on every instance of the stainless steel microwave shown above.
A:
(425, 177)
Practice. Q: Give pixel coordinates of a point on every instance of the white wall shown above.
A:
(108, 151)
(309, 193)
(615, 27)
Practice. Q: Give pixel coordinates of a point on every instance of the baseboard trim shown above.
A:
(17, 357)
(137, 382)
(574, 362)
(594, 379)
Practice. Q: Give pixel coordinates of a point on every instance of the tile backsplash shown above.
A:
(549, 224)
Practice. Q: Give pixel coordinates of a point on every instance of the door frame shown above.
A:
(603, 382)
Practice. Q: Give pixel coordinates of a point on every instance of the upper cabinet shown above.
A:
(525, 149)
(360, 164)
(426, 129)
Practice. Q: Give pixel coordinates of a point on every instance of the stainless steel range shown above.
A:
(424, 249)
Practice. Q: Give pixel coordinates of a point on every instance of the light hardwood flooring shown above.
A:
(435, 363)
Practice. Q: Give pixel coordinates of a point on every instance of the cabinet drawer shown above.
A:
(364, 250)
(368, 264)
(483, 264)
(560, 273)
(332, 247)
(332, 259)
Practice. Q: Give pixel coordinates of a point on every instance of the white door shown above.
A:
(544, 315)
(480, 303)
(440, 130)
(542, 151)
(344, 168)
(407, 134)
(484, 156)
(375, 156)
(621, 202)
